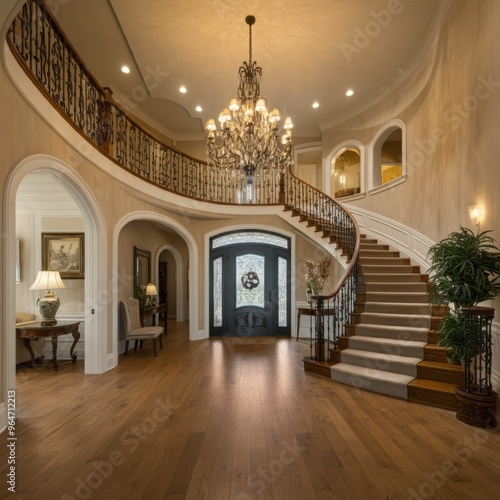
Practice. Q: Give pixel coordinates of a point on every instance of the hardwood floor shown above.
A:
(235, 419)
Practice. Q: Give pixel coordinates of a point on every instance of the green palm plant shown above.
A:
(465, 271)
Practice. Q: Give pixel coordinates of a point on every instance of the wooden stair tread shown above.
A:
(441, 366)
(318, 367)
(433, 385)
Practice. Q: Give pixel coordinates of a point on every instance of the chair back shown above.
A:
(131, 314)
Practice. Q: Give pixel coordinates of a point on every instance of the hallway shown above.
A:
(237, 419)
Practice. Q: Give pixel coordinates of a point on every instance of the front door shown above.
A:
(250, 286)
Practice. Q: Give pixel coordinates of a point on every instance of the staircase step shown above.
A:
(420, 321)
(434, 353)
(364, 252)
(413, 297)
(388, 269)
(433, 337)
(392, 363)
(393, 278)
(393, 332)
(398, 308)
(415, 287)
(441, 372)
(318, 367)
(365, 260)
(387, 346)
(391, 384)
(433, 393)
(372, 246)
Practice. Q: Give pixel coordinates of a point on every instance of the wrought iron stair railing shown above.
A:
(40, 46)
(336, 223)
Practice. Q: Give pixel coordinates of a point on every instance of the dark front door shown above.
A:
(250, 290)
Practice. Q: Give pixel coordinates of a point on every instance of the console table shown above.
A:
(34, 331)
(311, 311)
(155, 310)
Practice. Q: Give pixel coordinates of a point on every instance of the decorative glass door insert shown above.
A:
(250, 285)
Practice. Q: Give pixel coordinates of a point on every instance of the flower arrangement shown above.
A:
(316, 273)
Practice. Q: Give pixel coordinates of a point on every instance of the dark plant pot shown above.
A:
(477, 408)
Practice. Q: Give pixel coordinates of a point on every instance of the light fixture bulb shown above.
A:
(210, 125)
(288, 124)
(261, 105)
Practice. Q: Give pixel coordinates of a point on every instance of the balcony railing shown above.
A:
(40, 46)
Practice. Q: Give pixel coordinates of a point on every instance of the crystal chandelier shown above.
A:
(249, 137)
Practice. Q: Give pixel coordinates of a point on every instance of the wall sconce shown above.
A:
(476, 213)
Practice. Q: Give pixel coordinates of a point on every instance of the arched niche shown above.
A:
(345, 172)
(308, 163)
(388, 155)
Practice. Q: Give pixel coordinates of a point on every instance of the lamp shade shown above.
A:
(49, 303)
(48, 280)
(151, 289)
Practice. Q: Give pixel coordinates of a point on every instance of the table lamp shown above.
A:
(151, 292)
(49, 303)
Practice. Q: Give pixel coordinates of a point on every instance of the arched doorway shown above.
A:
(95, 310)
(189, 279)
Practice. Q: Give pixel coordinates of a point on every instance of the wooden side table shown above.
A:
(153, 311)
(34, 331)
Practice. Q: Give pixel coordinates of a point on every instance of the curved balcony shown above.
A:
(48, 58)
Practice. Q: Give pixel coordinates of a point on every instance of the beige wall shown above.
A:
(451, 113)
(452, 135)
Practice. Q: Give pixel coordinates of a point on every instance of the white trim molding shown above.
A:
(403, 238)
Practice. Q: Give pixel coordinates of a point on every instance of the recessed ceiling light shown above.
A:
(125, 69)
(315, 104)
(199, 109)
(349, 93)
(182, 89)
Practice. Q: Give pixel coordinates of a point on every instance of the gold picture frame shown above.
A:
(64, 252)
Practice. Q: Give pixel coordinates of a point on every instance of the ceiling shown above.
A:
(309, 51)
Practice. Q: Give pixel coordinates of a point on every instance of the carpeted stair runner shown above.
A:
(386, 341)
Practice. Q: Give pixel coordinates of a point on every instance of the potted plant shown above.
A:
(464, 271)
(465, 268)
(140, 295)
(316, 274)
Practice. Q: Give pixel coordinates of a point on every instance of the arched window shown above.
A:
(345, 171)
(388, 157)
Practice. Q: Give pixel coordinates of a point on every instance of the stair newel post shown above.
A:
(319, 346)
(476, 400)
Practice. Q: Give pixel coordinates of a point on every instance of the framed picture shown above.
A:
(64, 252)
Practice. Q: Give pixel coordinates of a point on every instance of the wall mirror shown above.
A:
(142, 267)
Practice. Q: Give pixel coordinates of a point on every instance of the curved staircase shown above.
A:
(390, 345)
